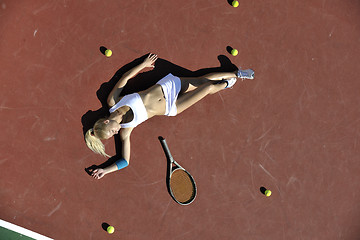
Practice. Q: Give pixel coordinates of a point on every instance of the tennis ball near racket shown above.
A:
(108, 52)
(235, 3)
(234, 52)
(267, 193)
(110, 229)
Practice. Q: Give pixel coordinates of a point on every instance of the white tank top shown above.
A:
(136, 104)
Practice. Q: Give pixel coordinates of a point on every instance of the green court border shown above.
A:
(10, 231)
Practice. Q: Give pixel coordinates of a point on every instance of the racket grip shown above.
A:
(166, 148)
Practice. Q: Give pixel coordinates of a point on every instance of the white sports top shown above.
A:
(136, 104)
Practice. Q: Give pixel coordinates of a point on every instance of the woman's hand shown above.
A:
(98, 173)
(150, 60)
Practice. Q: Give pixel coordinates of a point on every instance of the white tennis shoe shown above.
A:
(230, 82)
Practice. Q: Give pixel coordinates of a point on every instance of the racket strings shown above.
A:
(182, 186)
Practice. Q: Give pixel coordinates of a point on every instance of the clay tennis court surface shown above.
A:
(294, 130)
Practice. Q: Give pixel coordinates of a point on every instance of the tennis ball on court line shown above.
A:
(234, 52)
(108, 52)
(235, 3)
(267, 193)
(110, 229)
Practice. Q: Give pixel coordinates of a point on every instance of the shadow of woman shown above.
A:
(141, 82)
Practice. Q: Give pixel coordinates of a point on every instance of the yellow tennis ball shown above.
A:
(234, 52)
(110, 229)
(235, 3)
(268, 193)
(108, 52)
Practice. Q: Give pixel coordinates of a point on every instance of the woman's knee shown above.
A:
(189, 84)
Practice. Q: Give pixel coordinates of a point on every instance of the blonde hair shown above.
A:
(93, 136)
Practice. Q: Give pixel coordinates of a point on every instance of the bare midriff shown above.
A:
(154, 100)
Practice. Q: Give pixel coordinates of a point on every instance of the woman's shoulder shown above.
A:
(125, 132)
(111, 104)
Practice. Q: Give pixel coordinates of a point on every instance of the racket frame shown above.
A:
(172, 169)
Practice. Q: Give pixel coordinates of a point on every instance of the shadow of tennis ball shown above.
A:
(103, 49)
(262, 190)
(228, 49)
(230, 2)
(105, 226)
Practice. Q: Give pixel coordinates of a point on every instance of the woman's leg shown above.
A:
(189, 98)
(189, 83)
(220, 75)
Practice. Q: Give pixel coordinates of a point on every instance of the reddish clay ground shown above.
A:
(294, 129)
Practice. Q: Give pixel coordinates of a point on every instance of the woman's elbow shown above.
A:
(110, 101)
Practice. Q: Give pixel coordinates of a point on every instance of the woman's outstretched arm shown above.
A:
(115, 92)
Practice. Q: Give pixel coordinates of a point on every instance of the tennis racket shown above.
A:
(181, 184)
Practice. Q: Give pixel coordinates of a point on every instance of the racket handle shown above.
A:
(166, 148)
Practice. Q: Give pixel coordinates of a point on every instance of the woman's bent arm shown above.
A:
(115, 92)
(126, 148)
(123, 162)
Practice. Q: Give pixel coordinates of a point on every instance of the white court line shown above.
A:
(22, 231)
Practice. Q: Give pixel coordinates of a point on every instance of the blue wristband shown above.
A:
(121, 163)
